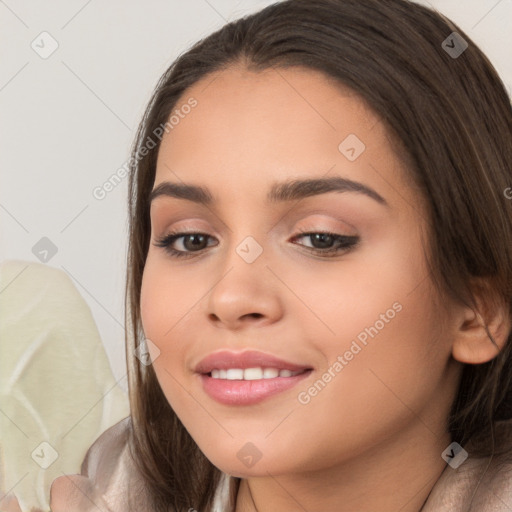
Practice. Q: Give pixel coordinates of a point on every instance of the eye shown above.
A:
(328, 244)
(323, 243)
(192, 242)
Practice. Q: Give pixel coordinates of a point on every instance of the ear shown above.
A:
(491, 316)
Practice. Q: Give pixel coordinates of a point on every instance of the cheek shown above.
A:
(160, 315)
(394, 352)
(386, 329)
(165, 300)
(371, 295)
(378, 387)
(152, 300)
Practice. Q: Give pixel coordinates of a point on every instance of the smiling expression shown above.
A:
(294, 271)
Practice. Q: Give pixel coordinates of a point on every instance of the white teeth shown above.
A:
(256, 373)
(253, 373)
(235, 374)
(270, 373)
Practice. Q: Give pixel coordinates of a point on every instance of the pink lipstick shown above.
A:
(246, 378)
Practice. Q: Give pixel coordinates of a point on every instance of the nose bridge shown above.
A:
(250, 249)
(245, 262)
(243, 288)
(247, 234)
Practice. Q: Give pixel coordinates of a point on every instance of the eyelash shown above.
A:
(346, 243)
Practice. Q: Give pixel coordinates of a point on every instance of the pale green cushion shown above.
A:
(56, 385)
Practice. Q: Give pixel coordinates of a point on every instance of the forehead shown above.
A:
(251, 127)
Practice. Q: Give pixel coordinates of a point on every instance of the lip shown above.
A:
(246, 392)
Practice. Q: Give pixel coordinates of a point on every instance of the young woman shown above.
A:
(320, 272)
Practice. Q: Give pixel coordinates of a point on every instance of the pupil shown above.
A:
(198, 239)
(323, 238)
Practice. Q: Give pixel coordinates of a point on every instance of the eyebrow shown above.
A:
(279, 192)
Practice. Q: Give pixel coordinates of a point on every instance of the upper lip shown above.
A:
(226, 359)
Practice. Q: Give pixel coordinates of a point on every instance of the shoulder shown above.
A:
(479, 484)
(108, 479)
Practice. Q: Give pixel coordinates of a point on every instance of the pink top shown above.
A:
(109, 480)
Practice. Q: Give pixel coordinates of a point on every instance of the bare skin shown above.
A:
(372, 438)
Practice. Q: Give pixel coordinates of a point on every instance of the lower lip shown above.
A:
(248, 392)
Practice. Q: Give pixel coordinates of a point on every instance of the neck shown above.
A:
(396, 476)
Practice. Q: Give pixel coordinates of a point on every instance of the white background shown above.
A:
(68, 122)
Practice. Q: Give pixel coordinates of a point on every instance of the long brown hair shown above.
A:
(449, 117)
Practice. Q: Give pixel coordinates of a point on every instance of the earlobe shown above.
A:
(483, 331)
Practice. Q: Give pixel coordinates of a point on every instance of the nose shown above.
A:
(246, 294)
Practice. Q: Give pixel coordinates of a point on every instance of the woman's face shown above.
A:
(354, 314)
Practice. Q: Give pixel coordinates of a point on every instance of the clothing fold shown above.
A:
(477, 485)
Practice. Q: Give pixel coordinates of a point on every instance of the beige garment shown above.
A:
(479, 484)
(110, 478)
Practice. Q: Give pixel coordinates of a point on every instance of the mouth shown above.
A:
(246, 378)
(256, 373)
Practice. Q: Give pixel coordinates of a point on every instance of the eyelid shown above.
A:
(315, 216)
(188, 226)
(310, 226)
(321, 226)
